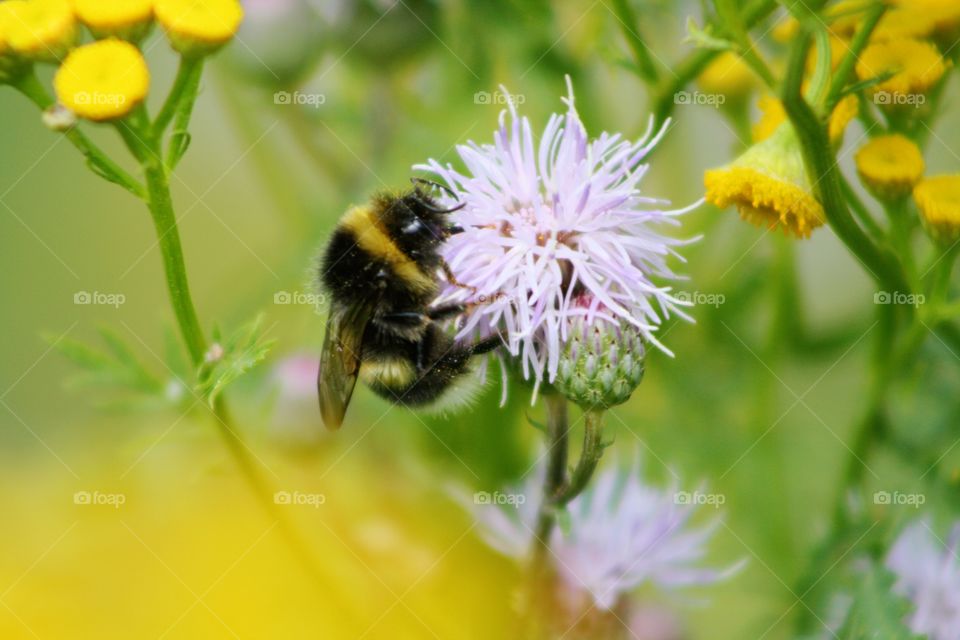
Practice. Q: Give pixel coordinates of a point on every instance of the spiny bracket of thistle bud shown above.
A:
(601, 364)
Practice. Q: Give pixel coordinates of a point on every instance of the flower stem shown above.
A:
(589, 458)
(629, 25)
(144, 142)
(689, 68)
(539, 593)
(821, 165)
(558, 431)
(182, 95)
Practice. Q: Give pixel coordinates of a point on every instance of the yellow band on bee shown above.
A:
(372, 238)
(395, 373)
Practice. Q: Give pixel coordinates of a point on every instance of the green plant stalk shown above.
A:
(590, 455)
(144, 144)
(182, 94)
(29, 85)
(539, 596)
(821, 165)
(861, 211)
(842, 73)
(630, 25)
(691, 66)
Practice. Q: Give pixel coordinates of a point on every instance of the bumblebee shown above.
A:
(380, 269)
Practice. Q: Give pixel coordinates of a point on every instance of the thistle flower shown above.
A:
(938, 199)
(125, 19)
(890, 165)
(916, 66)
(772, 115)
(621, 534)
(928, 574)
(40, 30)
(199, 27)
(550, 226)
(769, 186)
(102, 81)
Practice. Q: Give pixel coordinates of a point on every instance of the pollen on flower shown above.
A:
(938, 199)
(768, 185)
(102, 81)
(126, 19)
(890, 165)
(41, 30)
(199, 26)
(916, 66)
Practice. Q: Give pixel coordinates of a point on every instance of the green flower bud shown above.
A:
(601, 364)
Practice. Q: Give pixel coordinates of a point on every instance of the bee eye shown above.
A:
(412, 227)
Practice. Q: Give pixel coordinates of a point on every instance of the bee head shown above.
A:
(418, 223)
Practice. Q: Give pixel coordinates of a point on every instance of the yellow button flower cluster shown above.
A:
(890, 166)
(106, 79)
(900, 65)
(938, 199)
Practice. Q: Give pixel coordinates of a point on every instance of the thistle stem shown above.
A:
(589, 458)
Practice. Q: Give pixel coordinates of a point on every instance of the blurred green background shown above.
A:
(760, 416)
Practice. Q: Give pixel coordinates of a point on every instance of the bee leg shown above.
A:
(419, 356)
(446, 311)
(452, 279)
(485, 346)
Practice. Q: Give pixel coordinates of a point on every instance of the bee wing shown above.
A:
(340, 362)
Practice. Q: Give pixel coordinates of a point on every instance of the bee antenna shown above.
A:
(436, 185)
(435, 210)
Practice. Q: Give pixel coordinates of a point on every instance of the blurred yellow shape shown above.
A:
(42, 30)
(769, 186)
(890, 165)
(102, 81)
(938, 199)
(198, 27)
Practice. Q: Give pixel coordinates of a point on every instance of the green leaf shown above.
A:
(877, 612)
(242, 351)
(705, 39)
(115, 367)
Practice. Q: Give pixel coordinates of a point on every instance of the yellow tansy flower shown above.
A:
(904, 22)
(916, 66)
(42, 30)
(769, 186)
(198, 27)
(729, 75)
(944, 15)
(786, 30)
(102, 81)
(890, 165)
(772, 115)
(127, 19)
(938, 199)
